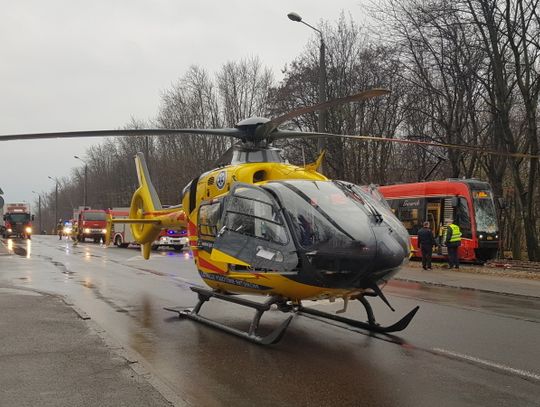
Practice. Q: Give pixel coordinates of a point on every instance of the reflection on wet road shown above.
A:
(463, 347)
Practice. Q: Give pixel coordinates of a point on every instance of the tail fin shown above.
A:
(144, 205)
(145, 184)
(146, 215)
(314, 166)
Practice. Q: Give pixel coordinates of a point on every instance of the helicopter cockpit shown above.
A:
(327, 226)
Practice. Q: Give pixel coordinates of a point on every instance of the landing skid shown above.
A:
(371, 325)
(251, 335)
(276, 335)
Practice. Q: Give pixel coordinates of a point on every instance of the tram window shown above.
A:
(394, 205)
(409, 218)
(409, 214)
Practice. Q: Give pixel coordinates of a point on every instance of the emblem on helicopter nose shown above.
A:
(221, 178)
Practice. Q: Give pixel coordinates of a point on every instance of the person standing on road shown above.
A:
(426, 241)
(452, 239)
(60, 229)
(75, 233)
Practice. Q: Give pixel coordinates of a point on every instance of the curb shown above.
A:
(481, 290)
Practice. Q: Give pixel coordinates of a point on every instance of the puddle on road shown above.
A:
(143, 335)
(20, 247)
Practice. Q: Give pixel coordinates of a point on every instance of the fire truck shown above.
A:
(91, 224)
(17, 220)
(121, 234)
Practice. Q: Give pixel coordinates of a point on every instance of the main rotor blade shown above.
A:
(479, 150)
(228, 132)
(281, 134)
(225, 158)
(367, 94)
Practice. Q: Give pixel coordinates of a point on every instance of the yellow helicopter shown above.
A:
(261, 226)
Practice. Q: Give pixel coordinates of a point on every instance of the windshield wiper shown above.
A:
(348, 188)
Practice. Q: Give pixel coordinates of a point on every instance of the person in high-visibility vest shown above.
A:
(452, 239)
(75, 233)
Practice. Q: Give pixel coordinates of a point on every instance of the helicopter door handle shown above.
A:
(221, 231)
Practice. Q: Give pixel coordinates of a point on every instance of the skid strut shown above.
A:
(251, 335)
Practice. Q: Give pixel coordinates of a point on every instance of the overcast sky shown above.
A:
(89, 65)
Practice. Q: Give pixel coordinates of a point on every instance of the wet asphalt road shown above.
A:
(464, 348)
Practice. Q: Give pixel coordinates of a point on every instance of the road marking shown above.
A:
(494, 365)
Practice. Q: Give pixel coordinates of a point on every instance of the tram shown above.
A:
(468, 201)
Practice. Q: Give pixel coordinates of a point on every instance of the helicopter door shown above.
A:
(254, 232)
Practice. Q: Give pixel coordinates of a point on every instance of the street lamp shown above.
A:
(39, 210)
(85, 178)
(321, 141)
(55, 199)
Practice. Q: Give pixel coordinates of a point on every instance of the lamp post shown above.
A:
(321, 141)
(39, 210)
(85, 179)
(55, 199)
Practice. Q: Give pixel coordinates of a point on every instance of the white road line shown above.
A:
(520, 372)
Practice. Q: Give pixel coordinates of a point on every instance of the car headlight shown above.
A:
(103, 230)
(28, 229)
(10, 230)
(86, 230)
(481, 236)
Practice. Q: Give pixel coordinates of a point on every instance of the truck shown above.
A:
(91, 224)
(17, 220)
(121, 234)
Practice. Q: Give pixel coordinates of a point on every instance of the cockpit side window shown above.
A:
(251, 213)
(208, 223)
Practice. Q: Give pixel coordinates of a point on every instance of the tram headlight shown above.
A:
(86, 230)
(9, 230)
(103, 231)
(481, 236)
(28, 229)
(496, 236)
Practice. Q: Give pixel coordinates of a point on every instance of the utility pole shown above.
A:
(55, 199)
(321, 141)
(85, 197)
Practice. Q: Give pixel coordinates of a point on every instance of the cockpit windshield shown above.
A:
(323, 213)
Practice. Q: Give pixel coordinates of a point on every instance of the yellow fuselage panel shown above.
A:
(272, 284)
(218, 182)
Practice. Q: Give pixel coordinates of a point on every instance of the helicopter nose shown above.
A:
(392, 249)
